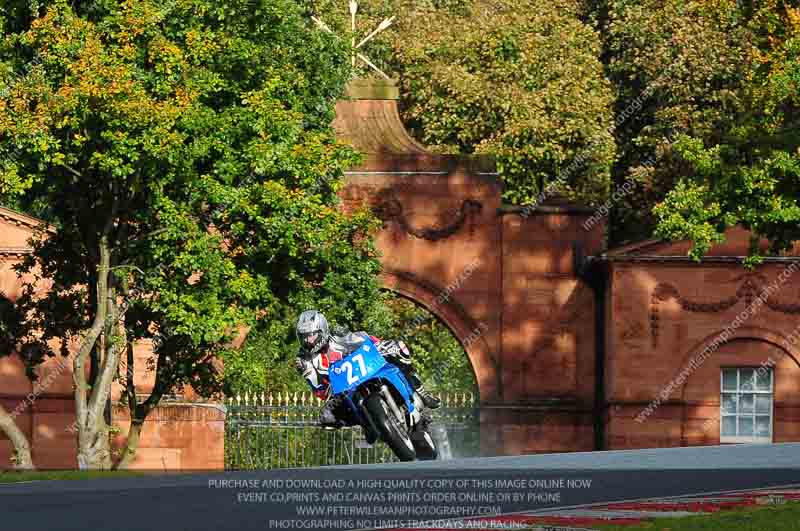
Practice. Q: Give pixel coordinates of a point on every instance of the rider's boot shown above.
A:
(430, 400)
(327, 417)
(370, 436)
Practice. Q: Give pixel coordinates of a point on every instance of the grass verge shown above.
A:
(13, 476)
(783, 517)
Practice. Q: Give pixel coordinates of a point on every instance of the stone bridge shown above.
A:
(502, 278)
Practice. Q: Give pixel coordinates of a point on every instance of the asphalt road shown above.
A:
(369, 496)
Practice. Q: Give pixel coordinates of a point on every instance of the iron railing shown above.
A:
(266, 430)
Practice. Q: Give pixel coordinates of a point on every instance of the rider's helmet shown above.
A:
(312, 331)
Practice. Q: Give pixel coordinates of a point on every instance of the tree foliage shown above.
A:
(692, 83)
(183, 153)
(519, 80)
(438, 356)
(715, 142)
(751, 175)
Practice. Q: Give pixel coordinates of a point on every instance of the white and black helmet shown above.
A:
(312, 331)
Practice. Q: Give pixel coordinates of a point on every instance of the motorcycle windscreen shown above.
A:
(353, 370)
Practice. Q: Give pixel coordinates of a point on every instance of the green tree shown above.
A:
(182, 152)
(437, 354)
(712, 88)
(749, 173)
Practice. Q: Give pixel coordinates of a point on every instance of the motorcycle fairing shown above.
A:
(365, 364)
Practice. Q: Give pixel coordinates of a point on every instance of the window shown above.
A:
(746, 405)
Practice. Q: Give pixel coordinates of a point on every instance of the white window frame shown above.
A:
(771, 392)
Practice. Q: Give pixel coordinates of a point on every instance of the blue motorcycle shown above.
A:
(383, 402)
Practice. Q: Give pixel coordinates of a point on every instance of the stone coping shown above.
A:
(425, 164)
(372, 89)
(687, 259)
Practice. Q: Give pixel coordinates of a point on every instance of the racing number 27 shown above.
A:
(351, 378)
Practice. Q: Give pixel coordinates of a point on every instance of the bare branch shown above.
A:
(130, 387)
(71, 170)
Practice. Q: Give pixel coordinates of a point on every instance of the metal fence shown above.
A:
(281, 431)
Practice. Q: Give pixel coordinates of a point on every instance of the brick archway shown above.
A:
(467, 333)
(502, 278)
(777, 340)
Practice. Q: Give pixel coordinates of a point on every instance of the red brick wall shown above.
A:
(651, 339)
(548, 313)
(177, 437)
(455, 274)
(534, 358)
(44, 411)
(548, 334)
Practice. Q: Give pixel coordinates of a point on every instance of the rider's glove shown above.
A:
(300, 365)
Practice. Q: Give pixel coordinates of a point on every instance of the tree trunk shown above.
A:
(22, 449)
(137, 421)
(131, 445)
(94, 447)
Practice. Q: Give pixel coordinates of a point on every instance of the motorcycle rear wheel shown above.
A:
(392, 432)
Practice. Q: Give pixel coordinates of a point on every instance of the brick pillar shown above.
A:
(548, 332)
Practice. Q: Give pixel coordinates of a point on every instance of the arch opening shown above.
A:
(438, 354)
(470, 335)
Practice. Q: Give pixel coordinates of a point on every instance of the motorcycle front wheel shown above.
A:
(392, 431)
(424, 446)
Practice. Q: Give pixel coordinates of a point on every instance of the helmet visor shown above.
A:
(310, 339)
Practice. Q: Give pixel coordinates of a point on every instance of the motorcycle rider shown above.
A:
(319, 348)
